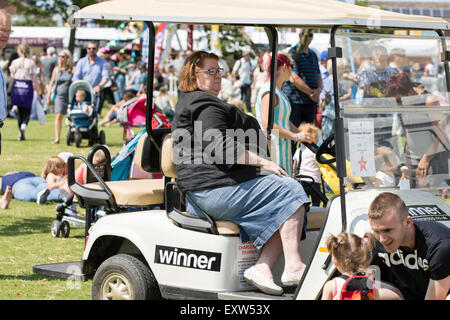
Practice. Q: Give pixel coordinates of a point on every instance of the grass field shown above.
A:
(25, 238)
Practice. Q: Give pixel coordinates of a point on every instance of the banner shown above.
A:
(159, 38)
(190, 45)
(214, 40)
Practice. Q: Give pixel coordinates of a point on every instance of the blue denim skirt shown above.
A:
(258, 206)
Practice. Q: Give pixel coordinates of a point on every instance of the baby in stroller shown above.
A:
(82, 115)
(80, 111)
(80, 102)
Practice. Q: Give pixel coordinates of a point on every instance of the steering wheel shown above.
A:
(327, 147)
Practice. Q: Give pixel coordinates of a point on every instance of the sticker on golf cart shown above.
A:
(427, 212)
(247, 256)
(188, 258)
(361, 143)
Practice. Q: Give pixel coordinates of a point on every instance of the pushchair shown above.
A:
(119, 167)
(82, 124)
(326, 160)
(132, 114)
(67, 213)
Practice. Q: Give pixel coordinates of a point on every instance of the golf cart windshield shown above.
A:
(395, 106)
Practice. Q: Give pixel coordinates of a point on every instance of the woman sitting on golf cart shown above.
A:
(246, 187)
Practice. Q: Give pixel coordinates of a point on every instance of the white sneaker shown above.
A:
(42, 195)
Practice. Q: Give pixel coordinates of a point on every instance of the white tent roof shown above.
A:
(82, 33)
(325, 13)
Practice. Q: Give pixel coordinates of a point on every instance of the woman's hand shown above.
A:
(273, 167)
(303, 136)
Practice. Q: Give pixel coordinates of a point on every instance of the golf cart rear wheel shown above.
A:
(124, 277)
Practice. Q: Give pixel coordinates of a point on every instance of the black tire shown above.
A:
(65, 229)
(69, 138)
(78, 138)
(128, 272)
(56, 228)
(102, 137)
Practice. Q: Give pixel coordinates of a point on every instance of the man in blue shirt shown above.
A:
(94, 70)
(5, 31)
(306, 82)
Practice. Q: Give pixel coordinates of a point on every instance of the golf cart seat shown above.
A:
(184, 219)
(175, 210)
(124, 193)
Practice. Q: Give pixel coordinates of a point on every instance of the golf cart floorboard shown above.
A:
(62, 270)
(182, 294)
(288, 294)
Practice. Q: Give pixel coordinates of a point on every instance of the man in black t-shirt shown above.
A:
(412, 256)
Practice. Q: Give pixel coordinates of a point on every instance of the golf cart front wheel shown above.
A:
(124, 277)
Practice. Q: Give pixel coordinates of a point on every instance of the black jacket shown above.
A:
(205, 149)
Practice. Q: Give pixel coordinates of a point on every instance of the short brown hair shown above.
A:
(187, 81)
(384, 202)
(351, 252)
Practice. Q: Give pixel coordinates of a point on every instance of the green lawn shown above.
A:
(25, 238)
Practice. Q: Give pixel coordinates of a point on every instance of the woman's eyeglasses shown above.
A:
(213, 71)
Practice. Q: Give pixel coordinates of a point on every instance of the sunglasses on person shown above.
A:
(213, 71)
(91, 48)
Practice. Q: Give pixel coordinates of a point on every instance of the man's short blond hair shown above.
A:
(384, 203)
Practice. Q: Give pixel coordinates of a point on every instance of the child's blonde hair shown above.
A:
(311, 129)
(54, 165)
(351, 252)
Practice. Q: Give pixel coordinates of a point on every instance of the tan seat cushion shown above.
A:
(167, 165)
(227, 228)
(135, 192)
(138, 151)
(315, 218)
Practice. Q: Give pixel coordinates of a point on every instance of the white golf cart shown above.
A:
(168, 253)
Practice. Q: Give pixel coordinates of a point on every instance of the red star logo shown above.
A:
(362, 164)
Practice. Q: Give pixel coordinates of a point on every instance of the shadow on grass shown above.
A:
(28, 277)
(26, 226)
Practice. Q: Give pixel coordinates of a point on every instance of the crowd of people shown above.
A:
(41, 83)
(274, 214)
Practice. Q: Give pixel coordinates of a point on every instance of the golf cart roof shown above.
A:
(292, 13)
